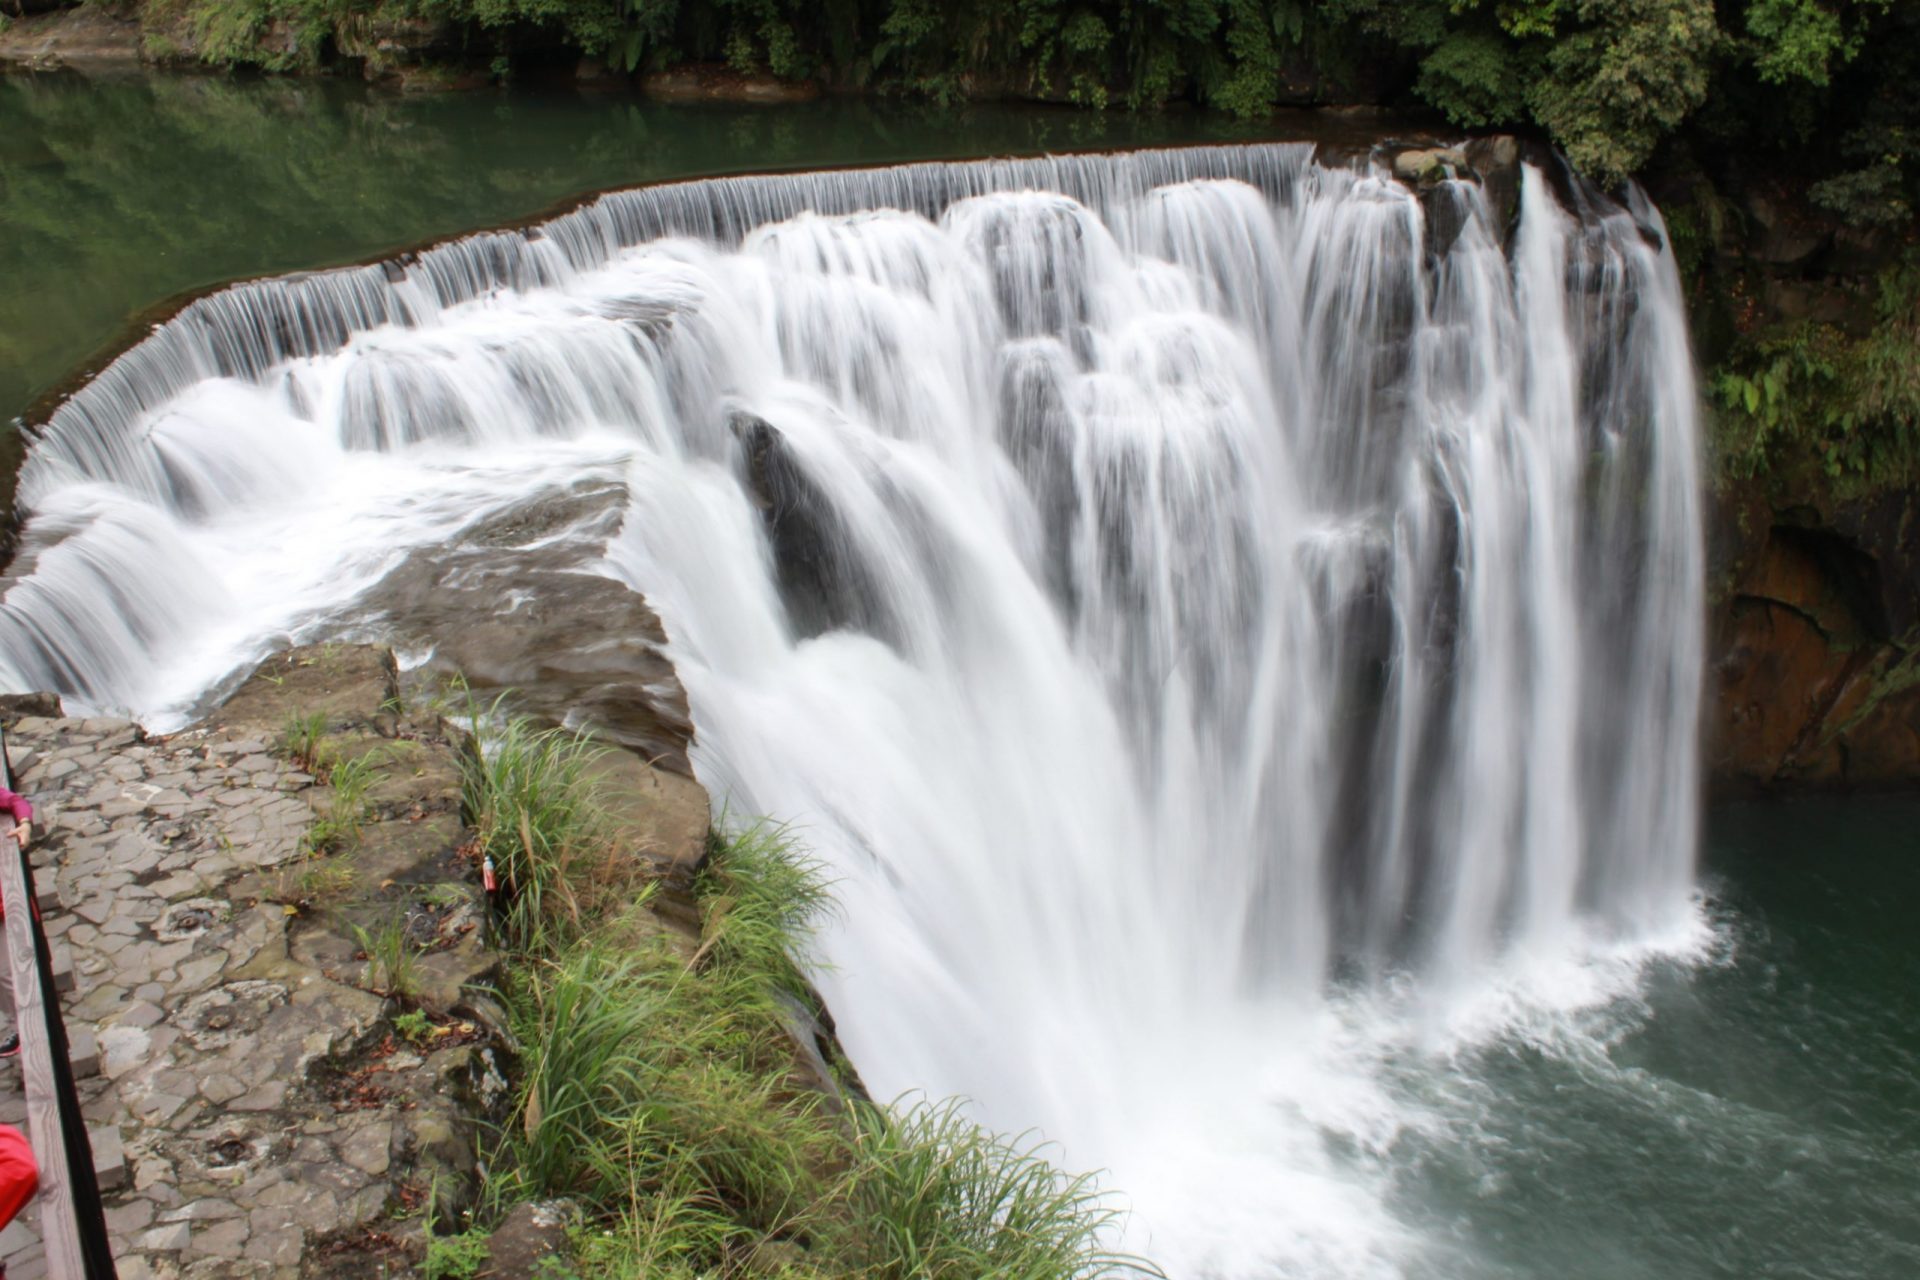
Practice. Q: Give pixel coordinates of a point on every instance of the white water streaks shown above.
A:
(1224, 634)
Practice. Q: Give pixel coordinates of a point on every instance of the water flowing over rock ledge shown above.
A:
(1309, 530)
(274, 1121)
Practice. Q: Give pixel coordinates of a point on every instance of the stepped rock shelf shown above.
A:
(273, 1122)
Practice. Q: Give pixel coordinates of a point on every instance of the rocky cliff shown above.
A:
(1816, 641)
(1814, 593)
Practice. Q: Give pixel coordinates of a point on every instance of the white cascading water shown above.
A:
(1227, 642)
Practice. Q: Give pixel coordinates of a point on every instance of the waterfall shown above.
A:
(1226, 636)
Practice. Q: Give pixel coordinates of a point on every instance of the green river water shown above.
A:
(1754, 1115)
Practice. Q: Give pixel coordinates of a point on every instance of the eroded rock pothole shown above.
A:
(214, 1019)
(190, 919)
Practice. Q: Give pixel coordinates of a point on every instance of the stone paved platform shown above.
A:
(269, 1116)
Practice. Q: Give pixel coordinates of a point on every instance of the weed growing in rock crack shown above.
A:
(322, 837)
(414, 1026)
(302, 740)
(393, 962)
(451, 1257)
(350, 780)
(445, 897)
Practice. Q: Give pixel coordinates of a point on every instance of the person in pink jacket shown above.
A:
(20, 809)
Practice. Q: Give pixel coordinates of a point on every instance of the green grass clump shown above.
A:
(315, 881)
(349, 779)
(301, 740)
(393, 962)
(533, 801)
(761, 899)
(936, 1197)
(457, 1256)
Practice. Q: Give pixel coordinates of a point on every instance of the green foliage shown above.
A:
(274, 35)
(644, 1080)
(1475, 78)
(1878, 194)
(655, 1087)
(1849, 406)
(1607, 80)
(316, 881)
(1630, 76)
(658, 1088)
(455, 1257)
(414, 1026)
(761, 899)
(450, 1257)
(349, 780)
(625, 31)
(1804, 39)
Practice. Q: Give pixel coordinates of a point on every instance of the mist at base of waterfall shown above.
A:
(1750, 1110)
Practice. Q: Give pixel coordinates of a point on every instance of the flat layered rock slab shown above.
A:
(344, 684)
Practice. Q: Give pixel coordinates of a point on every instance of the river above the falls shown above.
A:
(119, 193)
(1745, 1102)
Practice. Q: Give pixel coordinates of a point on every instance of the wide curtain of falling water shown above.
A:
(1215, 626)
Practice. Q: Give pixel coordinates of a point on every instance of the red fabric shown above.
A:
(16, 804)
(19, 1175)
(21, 808)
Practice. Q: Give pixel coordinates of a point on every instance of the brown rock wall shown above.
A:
(1816, 646)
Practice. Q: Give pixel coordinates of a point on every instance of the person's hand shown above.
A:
(22, 832)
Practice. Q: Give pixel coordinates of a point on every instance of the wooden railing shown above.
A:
(72, 1222)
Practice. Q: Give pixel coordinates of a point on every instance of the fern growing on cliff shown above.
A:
(1813, 394)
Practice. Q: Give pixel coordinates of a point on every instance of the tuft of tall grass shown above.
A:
(643, 1084)
(316, 880)
(302, 740)
(393, 962)
(933, 1196)
(533, 802)
(351, 778)
(762, 898)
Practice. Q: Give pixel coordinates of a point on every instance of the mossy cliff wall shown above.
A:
(1805, 327)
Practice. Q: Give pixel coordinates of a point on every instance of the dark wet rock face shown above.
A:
(823, 582)
(514, 602)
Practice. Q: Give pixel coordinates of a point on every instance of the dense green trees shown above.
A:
(1607, 80)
